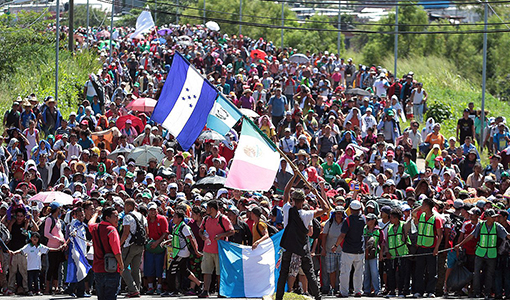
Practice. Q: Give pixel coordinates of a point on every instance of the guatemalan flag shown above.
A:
(185, 102)
(255, 155)
(223, 116)
(77, 264)
(247, 273)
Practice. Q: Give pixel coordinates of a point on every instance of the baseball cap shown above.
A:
(386, 209)
(172, 185)
(491, 213)
(356, 205)
(152, 205)
(54, 205)
(339, 209)
(475, 211)
(458, 204)
(371, 216)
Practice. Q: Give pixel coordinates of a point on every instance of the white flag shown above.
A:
(144, 23)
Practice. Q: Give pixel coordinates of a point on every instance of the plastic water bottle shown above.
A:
(207, 239)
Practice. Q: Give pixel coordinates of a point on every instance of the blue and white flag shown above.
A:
(185, 102)
(77, 264)
(223, 116)
(247, 273)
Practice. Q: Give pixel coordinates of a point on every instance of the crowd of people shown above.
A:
(363, 206)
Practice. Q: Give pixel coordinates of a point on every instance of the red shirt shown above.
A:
(110, 240)
(157, 227)
(213, 228)
(470, 246)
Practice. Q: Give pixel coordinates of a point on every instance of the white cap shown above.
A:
(172, 185)
(152, 205)
(221, 192)
(356, 205)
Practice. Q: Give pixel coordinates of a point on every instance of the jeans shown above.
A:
(488, 265)
(33, 280)
(77, 288)
(306, 265)
(132, 256)
(418, 112)
(502, 276)
(350, 260)
(399, 275)
(425, 276)
(107, 285)
(371, 276)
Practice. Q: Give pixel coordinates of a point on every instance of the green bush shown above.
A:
(438, 111)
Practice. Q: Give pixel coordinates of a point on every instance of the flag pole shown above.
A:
(292, 165)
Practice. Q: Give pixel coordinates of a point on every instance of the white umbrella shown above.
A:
(143, 154)
(299, 58)
(210, 135)
(212, 26)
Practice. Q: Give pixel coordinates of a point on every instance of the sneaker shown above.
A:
(30, 294)
(133, 295)
(150, 291)
(401, 296)
(358, 295)
(339, 295)
(221, 296)
(39, 294)
(390, 295)
(417, 295)
(204, 294)
(158, 291)
(8, 293)
(165, 294)
(431, 295)
(190, 292)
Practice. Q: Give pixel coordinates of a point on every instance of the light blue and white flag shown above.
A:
(185, 102)
(247, 273)
(77, 264)
(223, 116)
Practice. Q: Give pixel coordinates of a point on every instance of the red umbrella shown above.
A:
(258, 54)
(136, 122)
(142, 104)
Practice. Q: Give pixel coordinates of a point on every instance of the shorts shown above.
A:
(295, 266)
(451, 259)
(333, 262)
(153, 264)
(210, 262)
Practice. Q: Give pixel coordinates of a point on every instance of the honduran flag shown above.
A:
(256, 161)
(185, 102)
(223, 116)
(77, 264)
(247, 273)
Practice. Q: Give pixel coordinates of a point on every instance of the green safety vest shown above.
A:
(376, 234)
(396, 245)
(487, 243)
(426, 234)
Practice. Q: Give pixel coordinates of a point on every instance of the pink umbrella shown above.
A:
(48, 197)
(142, 104)
(103, 34)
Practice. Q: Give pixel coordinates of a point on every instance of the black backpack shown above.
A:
(43, 239)
(271, 230)
(140, 236)
(316, 225)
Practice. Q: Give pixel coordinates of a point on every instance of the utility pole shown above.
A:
(484, 71)
(88, 19)
(156, 12)
(71, 26)
(396, 41)
(339, 34)
(178, 12)
(283, 20)
(204, 13)
(57, 46)
(111, 33)
(240, 17)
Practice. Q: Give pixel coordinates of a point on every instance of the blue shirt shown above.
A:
(26, 117)
(466, 149)
(278, 105)
(500, 140)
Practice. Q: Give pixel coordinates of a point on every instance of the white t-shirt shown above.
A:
(306, 215)
(34, 255)
(73, 150)
(393, 165)
(129, 220)
(91, 91)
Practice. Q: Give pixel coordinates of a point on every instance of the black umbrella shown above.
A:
(357, 92)
(210, 183)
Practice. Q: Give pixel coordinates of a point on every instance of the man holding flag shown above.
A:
(295, 237)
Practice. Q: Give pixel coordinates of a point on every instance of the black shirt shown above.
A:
(242, 234)
(354, 242)
(465, 129)
(18, 239)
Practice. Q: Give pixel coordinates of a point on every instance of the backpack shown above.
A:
(5, 235)
(140, 236)
(271, 230)
(43, 239)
